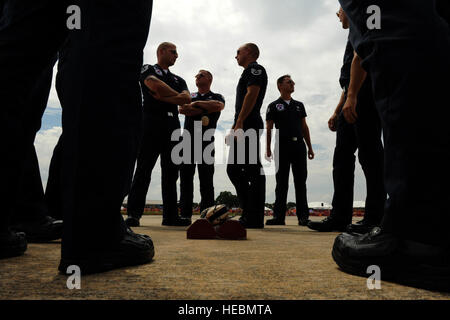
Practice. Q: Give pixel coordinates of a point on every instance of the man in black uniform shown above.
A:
(363, 135)
(244, 166)
(100, 130)
(408, 62)
(201, 118)
(163, 92)
(289, 117)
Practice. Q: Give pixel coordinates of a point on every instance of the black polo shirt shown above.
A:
(254, 74)
(213, 117)
(287, 117)
(156, 107)
(344, 80)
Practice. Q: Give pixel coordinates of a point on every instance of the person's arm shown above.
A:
(182, 98)
(159, 88)
(162, 92)
(189, 111)
(357, 78)
(332, 123)
(210, 106)
(269, 126)
(200, 107)
(247, 105)
(307, 138)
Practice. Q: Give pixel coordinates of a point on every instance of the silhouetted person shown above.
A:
(408, 60)
(244, 165)
(202, 115)
(289, 117)
(98, 86)
(163, 92)
(363, 133)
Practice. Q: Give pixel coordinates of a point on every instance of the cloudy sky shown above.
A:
(299, 37)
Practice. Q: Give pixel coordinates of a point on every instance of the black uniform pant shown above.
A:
(206, 177)
(415, 90)
(101, 117)
(31, 205)
(290, 152)
(156, 142)
(410, 86)
(246, 174)
(364, 136)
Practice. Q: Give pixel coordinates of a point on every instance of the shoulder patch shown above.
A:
(158, 71)
(145, 67)
(194, 95)
(280, 107)
(256, 72)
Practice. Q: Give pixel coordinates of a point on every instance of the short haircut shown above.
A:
(254, 50)
(164, 46)
(281, 79)
(207, 72)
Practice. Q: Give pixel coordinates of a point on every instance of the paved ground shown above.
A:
(278, 263)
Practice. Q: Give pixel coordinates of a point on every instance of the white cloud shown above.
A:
(45, 143)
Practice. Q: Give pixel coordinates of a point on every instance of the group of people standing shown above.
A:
(394, 80)
(166, 96)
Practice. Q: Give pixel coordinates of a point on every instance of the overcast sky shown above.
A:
(302, 38)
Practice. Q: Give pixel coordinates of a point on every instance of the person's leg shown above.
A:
(169, 177)
(187, 172)
(344, 171)
(257, 185)
(298, 158)
(149, 150)
(23, 25)
(371, 155)
(343, 180)
(31, 208)
(239, 179)
(31, 213)
(206, 176)
(98, 86)
(416, 163)
(282, 181)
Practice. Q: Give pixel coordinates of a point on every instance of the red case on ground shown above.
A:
(202, 229)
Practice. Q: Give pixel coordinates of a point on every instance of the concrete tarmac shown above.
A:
(277, 263)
